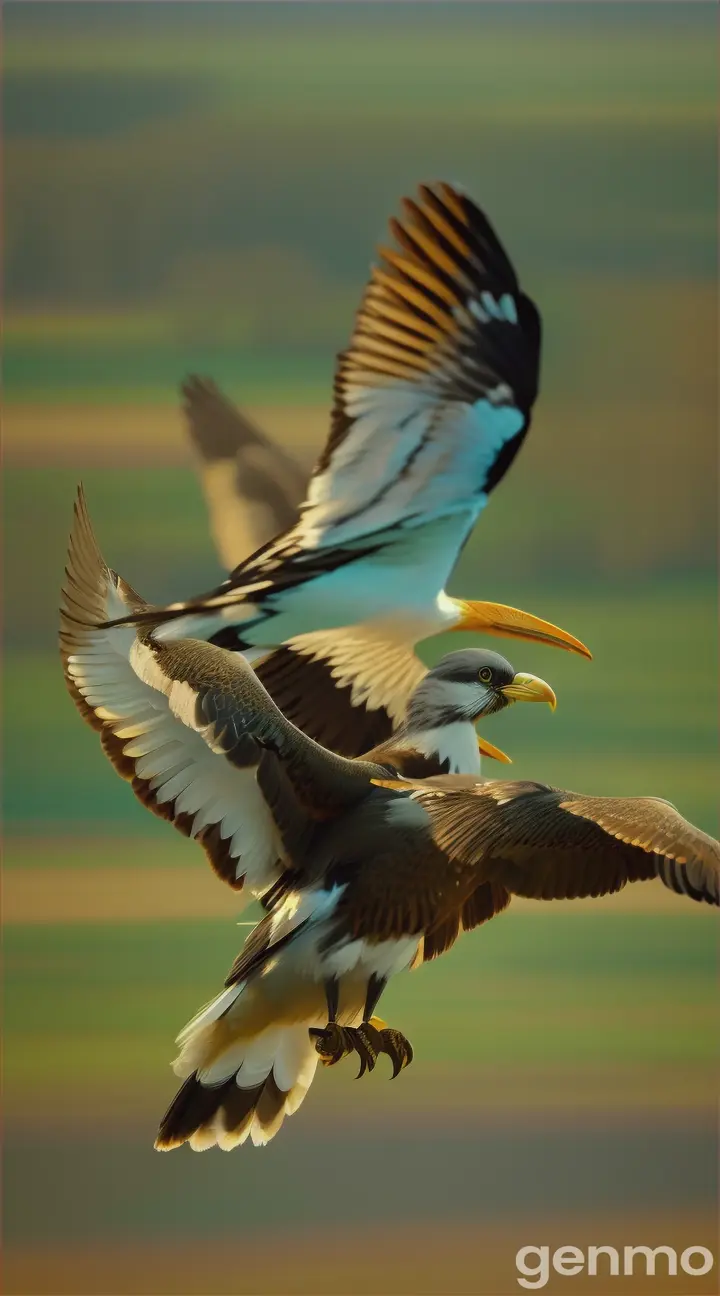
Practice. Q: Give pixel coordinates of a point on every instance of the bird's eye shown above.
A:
(486, 674)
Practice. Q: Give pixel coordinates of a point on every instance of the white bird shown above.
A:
(433, 398)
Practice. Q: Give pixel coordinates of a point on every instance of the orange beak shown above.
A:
(497, 619)
(486, 749)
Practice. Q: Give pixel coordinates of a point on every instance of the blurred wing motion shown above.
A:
(548, 844)
(166, 712)
(253, 488)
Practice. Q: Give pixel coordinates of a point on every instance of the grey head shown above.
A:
(466, 685)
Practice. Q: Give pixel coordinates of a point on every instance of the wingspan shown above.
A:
(433, 398)
(193, 730)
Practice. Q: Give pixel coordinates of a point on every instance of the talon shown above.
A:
(398, 1048)
(332, 1043)
(368, 1044)
(369, 1040)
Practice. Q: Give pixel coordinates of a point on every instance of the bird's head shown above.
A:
(470, 684)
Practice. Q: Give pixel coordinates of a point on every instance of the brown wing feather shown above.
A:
(548, 844)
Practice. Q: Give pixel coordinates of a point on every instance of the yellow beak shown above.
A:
(528, 688)
(497, 619)
(486, 749)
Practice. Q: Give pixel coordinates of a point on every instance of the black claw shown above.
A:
(397, 1062)
(334, 1042)
(365, 1065)
(367, 1040)
(399, 1050)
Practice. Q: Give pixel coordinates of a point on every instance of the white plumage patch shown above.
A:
(455, 743)
(211, 1013)
(383, 958)
(154, 718)
(406, 813)
(300, 906)
(437, 464)
(284, 1052)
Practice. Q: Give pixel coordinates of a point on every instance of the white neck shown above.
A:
(455, 742)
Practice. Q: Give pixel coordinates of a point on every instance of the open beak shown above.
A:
(528, 688)
(486, 749)
(497, 619)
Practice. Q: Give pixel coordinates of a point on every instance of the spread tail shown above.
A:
(237, 1086)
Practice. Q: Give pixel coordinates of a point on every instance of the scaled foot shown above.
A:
(368, 1040)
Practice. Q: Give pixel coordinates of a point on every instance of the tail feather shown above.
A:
(244, 1090)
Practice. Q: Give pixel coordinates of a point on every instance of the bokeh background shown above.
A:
(197, 188)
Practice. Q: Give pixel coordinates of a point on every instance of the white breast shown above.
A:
(456, 743)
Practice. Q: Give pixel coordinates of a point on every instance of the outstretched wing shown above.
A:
(434, 394)
(549, 844)
(433, 398)
(252, 486)
(193, 730)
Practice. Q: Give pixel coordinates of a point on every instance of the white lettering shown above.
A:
(595, 1251)
(568, 1260)
(534, 1262)
(650, 1253)
(708, 1261)
(541, 1272)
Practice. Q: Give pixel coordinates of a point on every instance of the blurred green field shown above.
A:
(433, 47)
(195, 188)
(223, 177)
(279, 347)
(530, 997)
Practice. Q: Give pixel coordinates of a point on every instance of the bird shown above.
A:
(381, 874)
(253, 488)
(432, 401)
(111, 678)
(363, 871)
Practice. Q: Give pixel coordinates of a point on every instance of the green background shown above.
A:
(198, 188)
